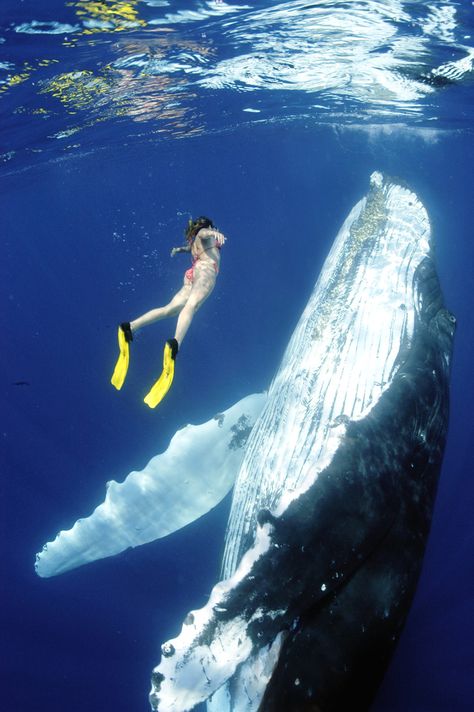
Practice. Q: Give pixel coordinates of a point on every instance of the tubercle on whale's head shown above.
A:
(376, 179)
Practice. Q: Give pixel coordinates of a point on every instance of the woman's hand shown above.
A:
(219, 238)
(177, 250)
(206, 233)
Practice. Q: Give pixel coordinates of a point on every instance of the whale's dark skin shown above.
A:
(345, 556)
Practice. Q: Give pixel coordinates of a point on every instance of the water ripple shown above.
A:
(179, 66)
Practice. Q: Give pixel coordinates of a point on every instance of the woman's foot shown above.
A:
(174, 346)
(127, 331)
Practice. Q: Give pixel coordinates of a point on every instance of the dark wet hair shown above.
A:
(195, 225)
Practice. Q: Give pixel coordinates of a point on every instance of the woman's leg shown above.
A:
(203, 284)
(171, 309)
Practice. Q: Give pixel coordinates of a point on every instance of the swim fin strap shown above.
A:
(163, 384)
(121, 367)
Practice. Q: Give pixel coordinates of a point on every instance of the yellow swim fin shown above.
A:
(121, 367)
(163, 384)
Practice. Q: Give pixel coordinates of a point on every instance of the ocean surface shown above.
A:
(120, 120)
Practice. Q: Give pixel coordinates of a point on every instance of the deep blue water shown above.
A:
(87, 223)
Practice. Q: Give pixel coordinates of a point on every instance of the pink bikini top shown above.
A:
(205, 249)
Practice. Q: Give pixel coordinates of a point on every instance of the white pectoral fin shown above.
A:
(175, 488)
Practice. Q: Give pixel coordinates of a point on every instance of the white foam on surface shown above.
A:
(37, 27)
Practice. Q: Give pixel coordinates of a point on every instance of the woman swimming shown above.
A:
(204, 242)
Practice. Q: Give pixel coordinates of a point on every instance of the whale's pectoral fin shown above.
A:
(191, 477)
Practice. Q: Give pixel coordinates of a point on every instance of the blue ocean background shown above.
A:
(119, 122)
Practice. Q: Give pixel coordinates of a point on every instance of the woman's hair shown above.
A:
(195, 225)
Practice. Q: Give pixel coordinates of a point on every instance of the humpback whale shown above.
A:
(335, 472)
(333, 501)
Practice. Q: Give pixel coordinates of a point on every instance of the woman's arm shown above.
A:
(176, 250)
(205, 233)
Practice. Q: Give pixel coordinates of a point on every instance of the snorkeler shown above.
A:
(204, 242)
